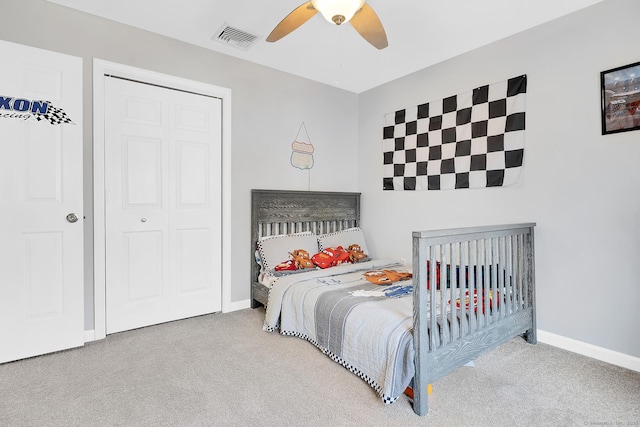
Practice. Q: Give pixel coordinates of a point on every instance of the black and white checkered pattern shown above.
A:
(470, 140)
(54, 115)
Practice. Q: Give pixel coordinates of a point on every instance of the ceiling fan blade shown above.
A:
(299, 16)
(367, 23)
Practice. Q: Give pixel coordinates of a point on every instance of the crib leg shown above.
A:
(531, 336)
(420, 398)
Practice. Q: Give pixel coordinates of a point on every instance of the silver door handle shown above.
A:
(72, 218)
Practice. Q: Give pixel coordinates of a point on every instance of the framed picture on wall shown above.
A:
(620, 88)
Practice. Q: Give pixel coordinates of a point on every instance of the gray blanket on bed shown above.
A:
(367, 328)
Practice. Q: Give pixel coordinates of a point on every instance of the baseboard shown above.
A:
(235, 306)
(590, 350)
(90, 335)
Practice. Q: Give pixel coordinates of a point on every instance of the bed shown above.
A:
(471, 289)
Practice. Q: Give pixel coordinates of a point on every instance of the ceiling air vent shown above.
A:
(234, 37)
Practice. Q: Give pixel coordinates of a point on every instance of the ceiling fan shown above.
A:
(361, 15)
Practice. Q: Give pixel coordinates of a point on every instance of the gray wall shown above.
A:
(268, 107)
(579, 186)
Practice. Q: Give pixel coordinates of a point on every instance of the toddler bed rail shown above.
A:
(474, 289)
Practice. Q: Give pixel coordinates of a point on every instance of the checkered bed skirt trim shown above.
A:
(386, 399)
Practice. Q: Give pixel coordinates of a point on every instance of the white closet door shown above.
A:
(163, 204)
(41, 252)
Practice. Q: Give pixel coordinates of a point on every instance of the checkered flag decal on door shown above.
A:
(54, 115)
(470, 140)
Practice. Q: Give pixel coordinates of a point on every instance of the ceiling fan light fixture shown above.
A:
(338, 11)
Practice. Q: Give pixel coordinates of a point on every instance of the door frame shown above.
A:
(102, 68)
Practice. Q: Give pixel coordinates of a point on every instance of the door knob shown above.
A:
(72, 218)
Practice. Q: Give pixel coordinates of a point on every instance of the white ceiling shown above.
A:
(420, 32)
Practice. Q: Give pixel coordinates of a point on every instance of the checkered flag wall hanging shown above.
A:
(471, 140)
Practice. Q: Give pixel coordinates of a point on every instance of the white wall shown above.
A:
(579, 186)
(268, 108)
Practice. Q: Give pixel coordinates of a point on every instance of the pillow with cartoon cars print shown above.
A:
(276, 251)
(299, 260)
(344, 238)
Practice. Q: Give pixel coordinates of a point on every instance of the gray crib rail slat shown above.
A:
(500, 269)
(525, 288)
(531, 334)
(453, 321)
(517, 274)
(444, 324)
(473, 310)
(465, 318)
(509, 274)
(486, 285)
(520, 271)
(433, 304)
(477, 280)
(495, 310)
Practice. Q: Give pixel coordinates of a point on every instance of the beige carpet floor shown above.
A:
(223, 370)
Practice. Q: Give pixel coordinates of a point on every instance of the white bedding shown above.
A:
(346, 317)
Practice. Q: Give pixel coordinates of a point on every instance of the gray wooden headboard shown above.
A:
(275, 212)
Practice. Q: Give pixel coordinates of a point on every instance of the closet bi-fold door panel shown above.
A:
(163, 204)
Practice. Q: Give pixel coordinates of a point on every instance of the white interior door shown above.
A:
(41, 252)
(163, 204)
